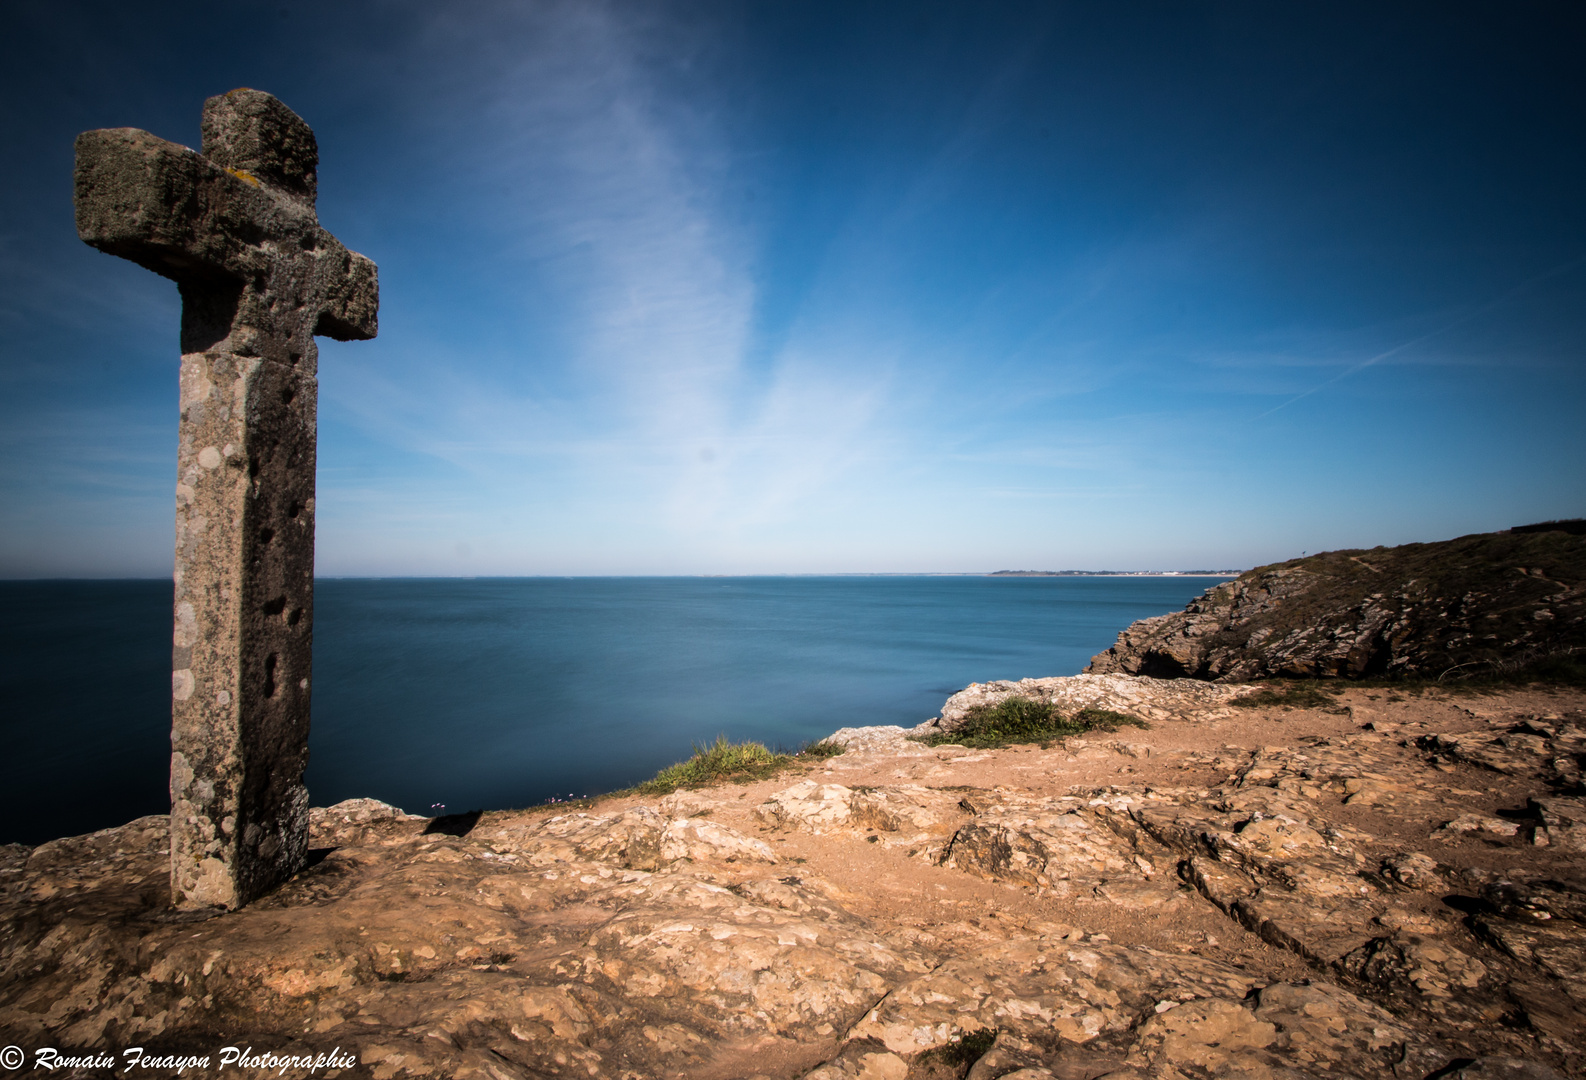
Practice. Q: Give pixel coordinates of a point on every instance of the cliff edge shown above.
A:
(1484, 603)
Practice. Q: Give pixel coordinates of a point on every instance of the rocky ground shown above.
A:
(1395, 888)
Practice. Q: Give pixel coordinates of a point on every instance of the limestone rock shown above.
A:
(1145, 699)
(701, 839)
(358, 812)
(881, 739)
(1284, 1031)
(1563, 823)
(817, 808)
(1538, 899)
(1504, 1068)
(1056, 845)
(1412, 870)
(862, 1059)
(1029, 988)
(1431, 968)
(1476, 823)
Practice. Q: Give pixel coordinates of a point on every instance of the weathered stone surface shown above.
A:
(1538, 899)
(883, 738)
(1504, 1068)
(1549, 749)
(1476, 823)
(818, 808)
(1432, 968)
(1179, 699)
(533, 931)
(1557, 948)
(1466, 605)
(235, 228)
(862, 1059)
(1075, 990)
(1283, 1031)
(1563, 823)
(1059, 846)
(1412, 870)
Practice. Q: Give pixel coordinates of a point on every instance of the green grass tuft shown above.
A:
(1567, 668)
(712, 763)
(1106, 720)
(1027, 720)
(723, 761)
(1563, 668)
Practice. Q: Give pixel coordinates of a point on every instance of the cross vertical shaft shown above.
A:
(236, 228)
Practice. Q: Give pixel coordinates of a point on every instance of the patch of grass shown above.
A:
(723, 761)
(1026, 720)
(1560, 669)
(715, 762)
(1106, 720)
(1299, 694)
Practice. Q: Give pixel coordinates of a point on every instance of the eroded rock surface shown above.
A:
(1151, 700)
(1171, 906)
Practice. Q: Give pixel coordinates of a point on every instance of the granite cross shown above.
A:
(235, 228)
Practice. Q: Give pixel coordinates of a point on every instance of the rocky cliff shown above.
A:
(1390, 888)
(1473, 605)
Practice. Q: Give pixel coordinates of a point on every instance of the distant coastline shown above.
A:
(1115, 573)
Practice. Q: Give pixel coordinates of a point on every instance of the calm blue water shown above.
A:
(504, 692)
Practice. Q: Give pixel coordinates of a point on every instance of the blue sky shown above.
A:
(766, 288)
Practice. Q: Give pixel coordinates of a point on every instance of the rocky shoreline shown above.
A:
(1395, 886)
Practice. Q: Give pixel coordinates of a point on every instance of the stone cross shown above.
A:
(235, 228)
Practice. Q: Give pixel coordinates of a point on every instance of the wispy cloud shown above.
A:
(641, 390)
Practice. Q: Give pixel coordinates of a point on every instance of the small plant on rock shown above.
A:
(714, 762)
(722, 761)
(1026, 720)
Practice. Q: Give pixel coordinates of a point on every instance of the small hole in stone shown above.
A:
(294, 509)
(288, 393)
(265, 536)
(292, 358)
(295, 618)
(269, 675)
(253, 466)
(276, 606)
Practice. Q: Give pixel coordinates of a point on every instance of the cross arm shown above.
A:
(351, 290)
(166, 207)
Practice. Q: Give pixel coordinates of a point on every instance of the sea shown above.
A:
(447, 695)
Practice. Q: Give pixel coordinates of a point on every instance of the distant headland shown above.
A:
(1115, 573)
